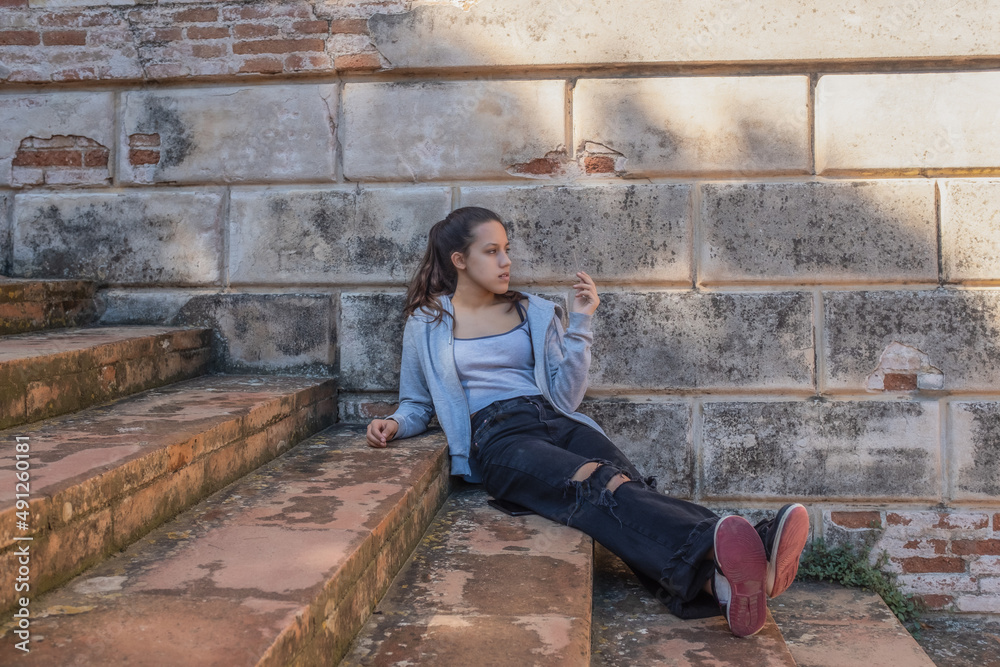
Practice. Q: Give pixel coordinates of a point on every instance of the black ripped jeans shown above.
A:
(529, 453)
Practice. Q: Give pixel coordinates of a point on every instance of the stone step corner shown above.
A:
(28, 304)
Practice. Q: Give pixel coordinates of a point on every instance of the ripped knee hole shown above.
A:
(589, 468)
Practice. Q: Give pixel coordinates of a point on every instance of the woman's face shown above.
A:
(488, 262)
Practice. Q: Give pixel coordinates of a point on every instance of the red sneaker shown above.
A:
(784, 540)
(741, 572)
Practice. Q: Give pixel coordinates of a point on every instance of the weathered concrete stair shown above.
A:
(32, 305)
(54, 372)
(483, 588)
(281, 567)
(487, 589)
(826, 625)
(102, 477)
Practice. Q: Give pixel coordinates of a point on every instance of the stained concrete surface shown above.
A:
(960, 641)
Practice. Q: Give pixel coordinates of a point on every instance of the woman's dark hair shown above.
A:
(436, 275)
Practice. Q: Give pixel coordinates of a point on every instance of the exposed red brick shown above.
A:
(19, 38)
(310, 27)
(95, 157)
(208, 50)
(34, 157)
(939, 545)
(64, 38)
(900, 382)
(138, 156)
(254, 30)
(196, 14)
(976, 547)
(357, 61)
(268, 65)
(943, 522)
(207, 32)
(912, 544)
(353, 26)
(917, 565)
(893, 519)
(540, 166)
(856, 519)
(996, 522)
(13, 3)
(937, 601)
(599, 164)
(298, 61)
(278, 46)
(144, 139)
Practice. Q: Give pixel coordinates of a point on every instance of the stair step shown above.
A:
(48, 373)
(102, 477)
(632, 628)
(281, 567)
(827, 625)
(483, 588)
(33, 305)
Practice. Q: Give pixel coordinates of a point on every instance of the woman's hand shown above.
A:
(586, 299)
(381, 431)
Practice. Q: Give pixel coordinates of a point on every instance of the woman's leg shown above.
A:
(572, 474)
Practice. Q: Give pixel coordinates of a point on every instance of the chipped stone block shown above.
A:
(970, 230)
(84, 119)
(656, 438)
(636, 233)
(907, 122)
(523, 32)
(959, 331)
(904, 368)
(697, 124)
(449, 129)
(371, 235)
(216, 134)
(814, 232)
(975, 449)
(133, 236)
(821, 449)
(684, 340)
(259, 333)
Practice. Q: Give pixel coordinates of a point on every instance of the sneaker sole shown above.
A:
(789, 540)
(740, 555)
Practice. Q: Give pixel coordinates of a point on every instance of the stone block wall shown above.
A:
(792, 210)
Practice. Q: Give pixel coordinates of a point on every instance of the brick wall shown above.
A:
(791, 210)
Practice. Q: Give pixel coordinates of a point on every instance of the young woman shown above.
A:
(505, 379)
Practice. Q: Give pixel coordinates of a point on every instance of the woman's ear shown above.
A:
(458, 260)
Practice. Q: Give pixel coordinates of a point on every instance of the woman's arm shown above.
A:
(568, 352)
(415, 405)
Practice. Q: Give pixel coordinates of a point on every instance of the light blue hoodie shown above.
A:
(429, 382)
